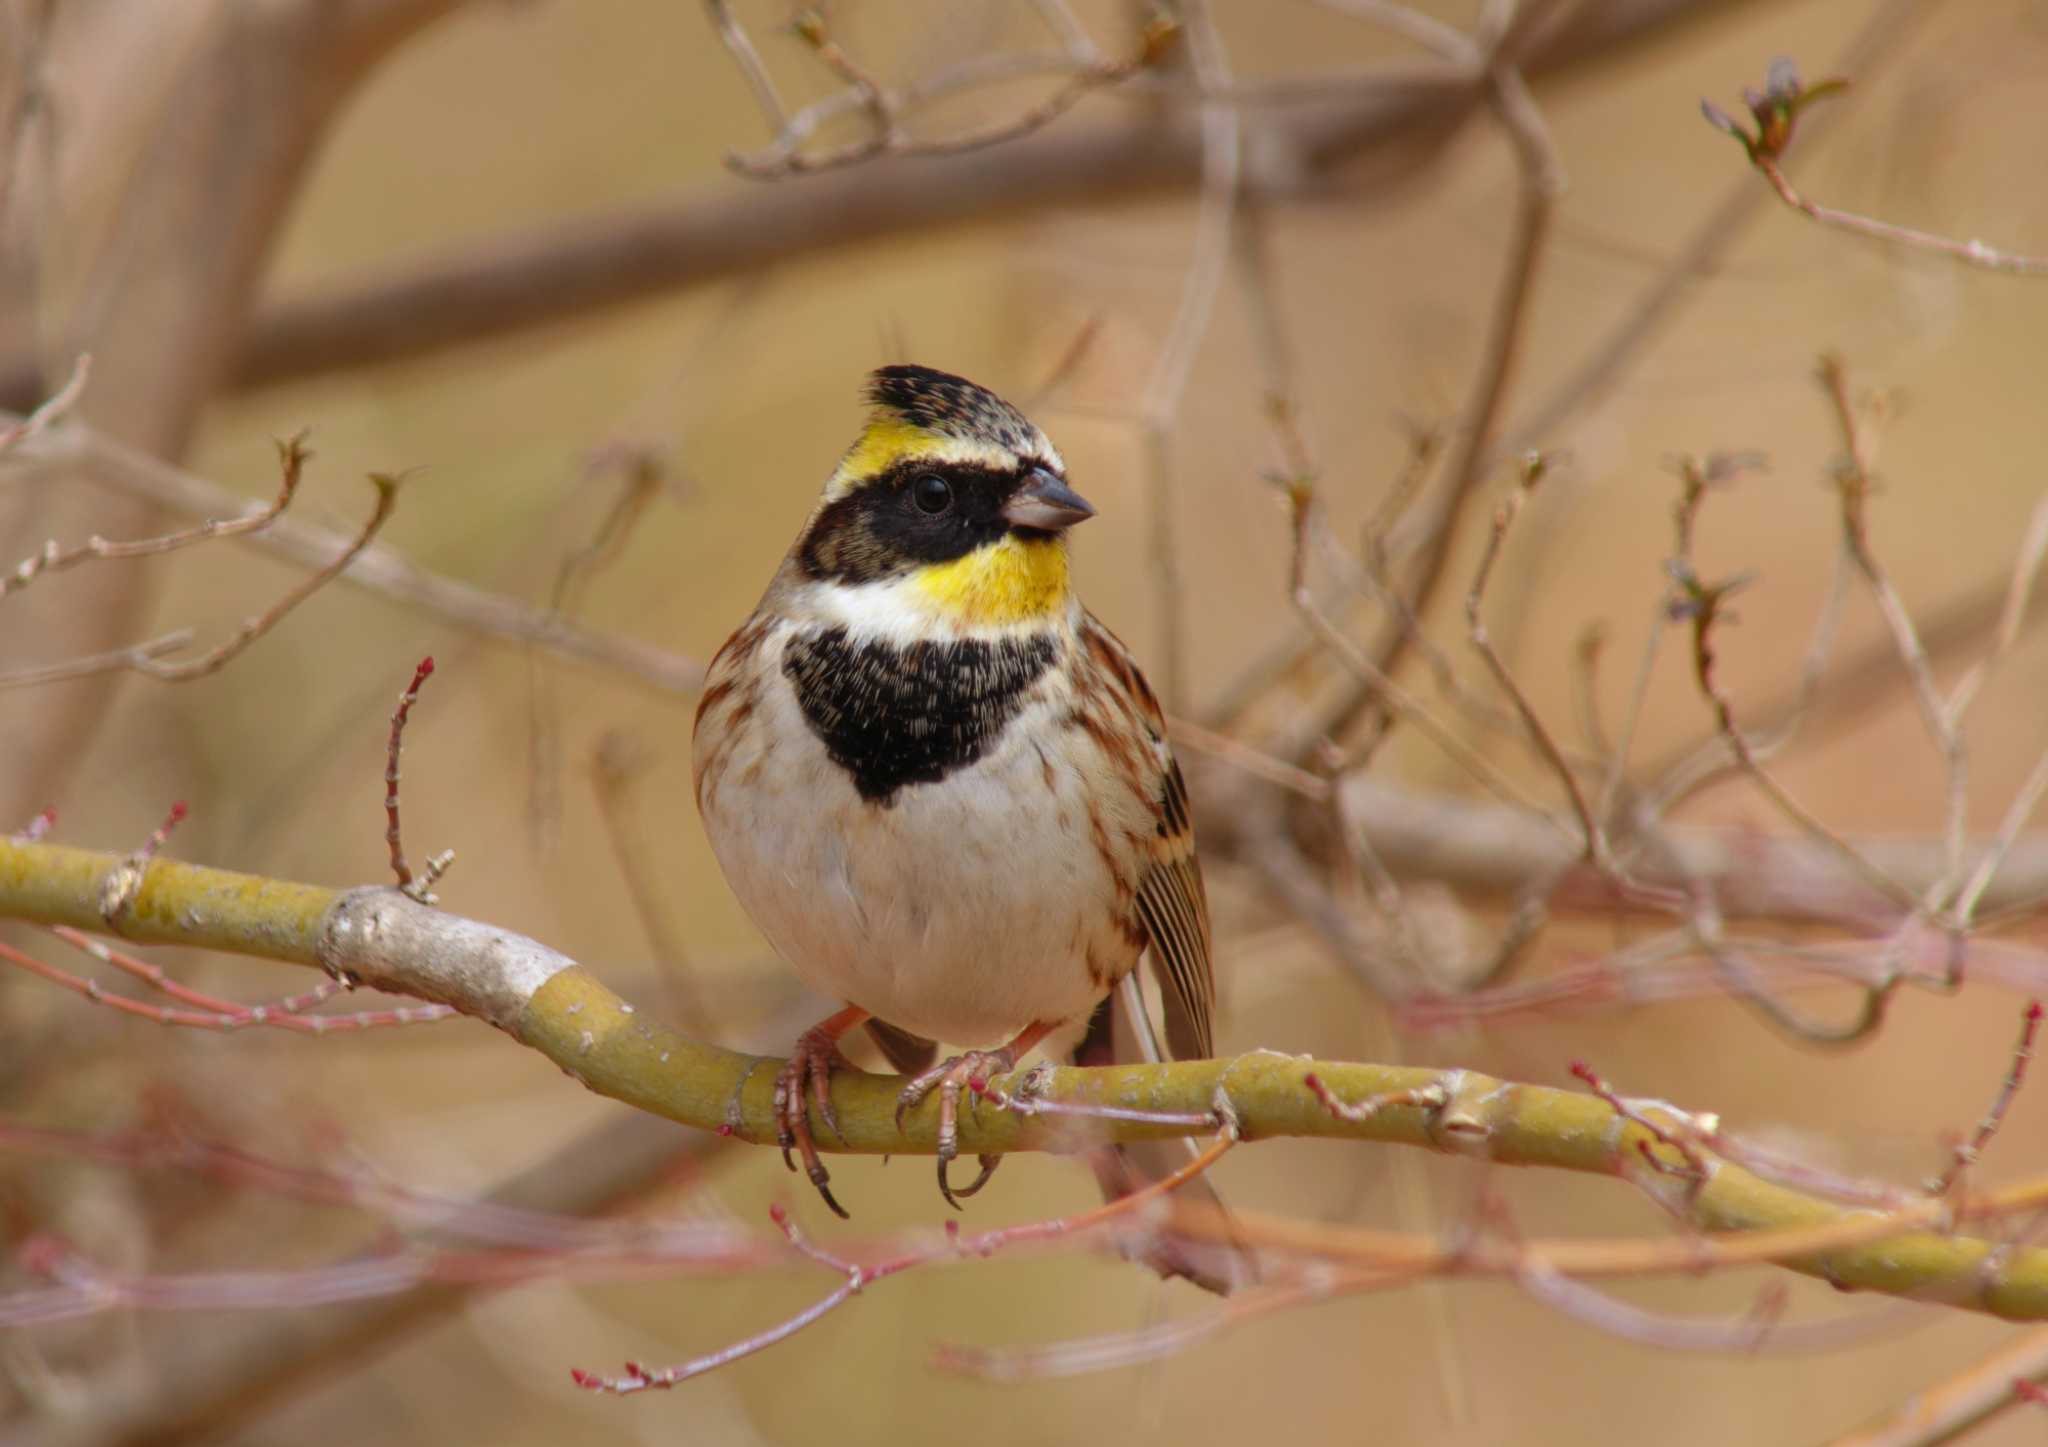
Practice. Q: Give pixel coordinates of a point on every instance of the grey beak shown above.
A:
(1046, 503)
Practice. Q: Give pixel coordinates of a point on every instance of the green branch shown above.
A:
(381, 938)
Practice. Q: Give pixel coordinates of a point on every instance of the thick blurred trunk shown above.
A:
(153, 148)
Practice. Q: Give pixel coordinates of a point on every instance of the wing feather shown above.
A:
(1175, 910)
(1172, 905)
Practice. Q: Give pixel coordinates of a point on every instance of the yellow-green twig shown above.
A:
(382, 938)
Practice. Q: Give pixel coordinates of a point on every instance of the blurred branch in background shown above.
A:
(1581, 826)
(1079, 64)
(525, 280)
(65, 450)
(1776, 110)
(147, 246)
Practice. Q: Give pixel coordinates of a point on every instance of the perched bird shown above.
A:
(939, 786)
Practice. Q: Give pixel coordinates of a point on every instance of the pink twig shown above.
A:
(124, 881)
(1428, 1097)
(1694, 1171)
(1024, 1104)
(707, 1243)
(1967, 1152)
(856, 1277)
(1762, 1328)
(391, 834)
(209, 1012)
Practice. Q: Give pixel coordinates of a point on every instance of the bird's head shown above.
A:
(950, 505)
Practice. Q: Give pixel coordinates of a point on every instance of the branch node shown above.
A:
(123, 883)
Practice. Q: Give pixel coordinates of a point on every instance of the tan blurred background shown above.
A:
(504, 116)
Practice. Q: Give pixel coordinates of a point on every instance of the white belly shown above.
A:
(964, 910)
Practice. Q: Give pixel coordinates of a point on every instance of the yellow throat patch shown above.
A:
(1009, 581)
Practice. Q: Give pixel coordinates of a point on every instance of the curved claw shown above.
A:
(950, 1079)
(988, 1166)
(806, 1080)
(821, 1092)
(820, 1178)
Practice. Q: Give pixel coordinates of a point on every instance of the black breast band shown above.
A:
(892, 716)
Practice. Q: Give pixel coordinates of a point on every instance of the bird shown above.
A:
(942, 788)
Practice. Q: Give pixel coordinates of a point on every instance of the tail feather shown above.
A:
(1121, 1029)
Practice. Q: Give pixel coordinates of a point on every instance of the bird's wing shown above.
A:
(1175, 910)
(1172, 904)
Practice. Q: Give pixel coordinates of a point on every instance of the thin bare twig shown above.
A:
(136, 657)
(1541, 181)
(1972, 252)
(1704, 604)
(1691, 1166)
(205, 1011)
(644, 477)
(857, 1277)
(420, 889)
(1081, 64)
(736, 40)
(221, 654)
(1968, 1152)
(1389, 694)
(54, 408)
(1946, 1410)
(376, 569)
(1776, 111)
(2026, 570)
(1593, 837)
(1855, 481)
(1222, 166)
(292, 456)
(1760, 1330)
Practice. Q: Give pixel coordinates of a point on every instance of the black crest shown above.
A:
(953, 406)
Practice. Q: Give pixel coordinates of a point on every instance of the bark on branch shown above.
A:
(552, 1004)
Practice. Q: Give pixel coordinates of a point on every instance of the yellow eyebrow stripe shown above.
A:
(888, 441)
(884, 444)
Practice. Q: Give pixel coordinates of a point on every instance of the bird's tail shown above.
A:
(1121, 1029)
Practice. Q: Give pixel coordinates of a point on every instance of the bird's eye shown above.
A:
(932, 494)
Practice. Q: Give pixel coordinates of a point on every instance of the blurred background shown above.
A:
(185, 184)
